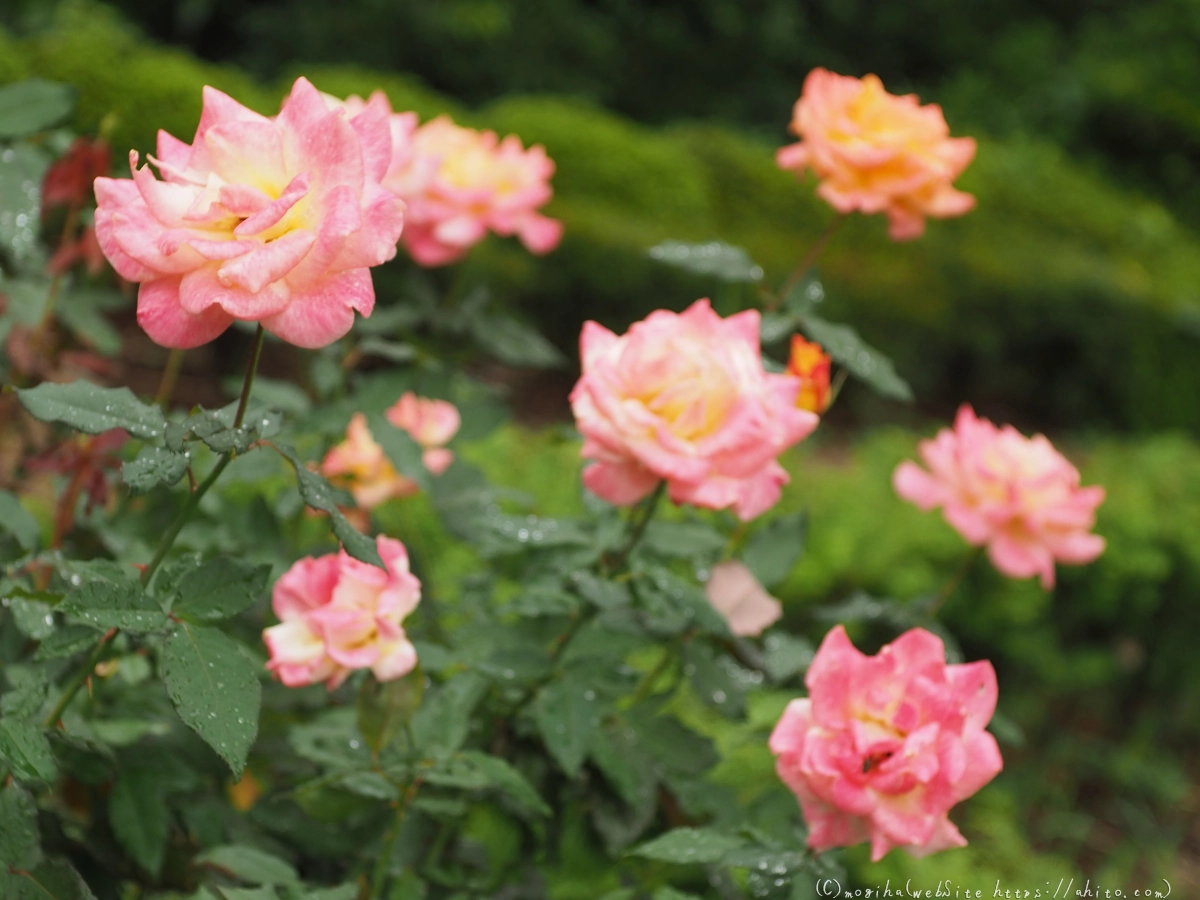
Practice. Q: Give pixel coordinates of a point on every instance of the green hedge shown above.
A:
(1061, 299)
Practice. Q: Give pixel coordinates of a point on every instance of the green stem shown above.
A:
(248, 383)
(639, 527)
(379, 876)
(809, 260)
(78, 679)
(953, 582)
(170, 376)
(646, 686)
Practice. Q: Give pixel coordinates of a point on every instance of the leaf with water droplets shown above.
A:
(139, 817)
(405, 453)
(772, 551)
(105, 605)
(686, 539)
(19, 841)
(91, 409)
(22, 168)
(65, 642)
(567, 716)
(689, 845)
(319, 494)
(33, 105)
(785, 656)
(497, 773)
(219, 589)
(52, 880)
(24, 747)
(152, 467)
(248, 864)
(440, 726)
(26, 694)
(17, 520)
(860, 358)
(712, 258)
(215, 690)
(717, 679)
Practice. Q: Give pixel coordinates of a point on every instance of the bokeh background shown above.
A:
(1068, 302)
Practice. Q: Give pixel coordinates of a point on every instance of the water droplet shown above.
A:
(718, 696)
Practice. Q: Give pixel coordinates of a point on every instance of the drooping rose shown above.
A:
(431, 423)
(460, 184)
(1018, 496)
(337, 615)
(876, 152)
(809, 364)
(736, 594)
(275, 220)
(885, 745)
(684, 397)
(359, 465)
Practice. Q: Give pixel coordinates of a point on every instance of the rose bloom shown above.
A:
(1018, 496)
(275, 220)
(810, 365)
(431, 423)
(745, 605)
(885, 745)
(359, 465)
(875, 152)
(683, 397)
(460, 184)
(338, 614)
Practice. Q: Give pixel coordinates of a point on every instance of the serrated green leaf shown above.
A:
(105, 605)
(215, 690)
(249, 864)
(404, 453)
(716, 678)
(25, 749)
(862, 360)
(682, 538)
(17, 520)
(385, 707)
(440, 726)
(153, 466)
(217, 431)
(27, 694)
(52, 880)
(772, 551)
(91, 409)
(20, 844)
(785, 655)
(65, 642)
(673, 744)
(33, 617)
(319, 494)
(502, 776)
(33, 105)
(688, 846)
(712, 258)
(567, 716)
(219, 589)
(139, 817)
(672, 605)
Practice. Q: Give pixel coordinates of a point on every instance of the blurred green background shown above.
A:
(1069, 302)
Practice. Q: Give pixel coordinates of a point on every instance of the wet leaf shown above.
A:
(91, 409)
(30, 106)
(689, 846)
(319, 494)
(567, 715)
(860, 358)
(713, 258)
(107, 605)
(152, 467)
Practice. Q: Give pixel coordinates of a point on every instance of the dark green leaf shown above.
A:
(82, 312)
(717, 679)
(713, 258)
(152, 467)
(785, 656)
(503, 777)
(20, 844)
(402, 450)
(52, 880)
(21, 171)
(440, 725)
(392, 351)
(248, 864)
(66, 642)
(385, 707)
(319, 494)
(23, 746)
(1007, 731)
(33, 617)
(672, 605)
(91, 409)
(860, 358)
(214, 688)
(26, 695)
(17, 520)
(342, 892)
(114, 605)
(688, 846)
(514, 343)
(27, 107)
(682, 538)
(139, 817)
(219, 589)
(567, 716)
(216, 430)
(773, 550)
(673, 744)
(603, 593)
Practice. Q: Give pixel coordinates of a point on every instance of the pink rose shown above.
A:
(431, 423)
(275, 220)
(359, 465)
(885, 745)
(1017, 495)
(876, 152)
(460, 183)
(337, 614)
(736, 594)
(684, 397)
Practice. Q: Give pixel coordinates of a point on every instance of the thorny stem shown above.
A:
(810, 258)
(953, 582)
(78, 679)
(379, 876)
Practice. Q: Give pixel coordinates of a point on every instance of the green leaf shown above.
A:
(65, 642)
(32, 617)
(215, 690)
(601, 592)
(114, 605)
(713, 258)
(219, 589)
(249, 864)
(341, 892)
(567, 717)
(673, 605)
(82, 311)
(30, 106)
(392, 351)
(139, 817)
(717, 679)
(52, 880)
(503, 777)
(215, 429)
(402, 450)
(785, 655)
(319, 494)
(27, 694)
(440, 726)
(91, 409)
(773, 551)
(688, 846)
(673, 744)
(685, 539)
(385, 707)
(24, 747)
(514, 343)
(22, 169)
(20, 844)
(17, 520)
(860, 358)
(152, 467)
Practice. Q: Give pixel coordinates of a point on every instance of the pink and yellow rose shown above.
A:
(431, 423)
(271, 220)
(885, 745)
(878, 153)
(1017, 496)
(683, 397)
(337, 614)
(359, 465)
